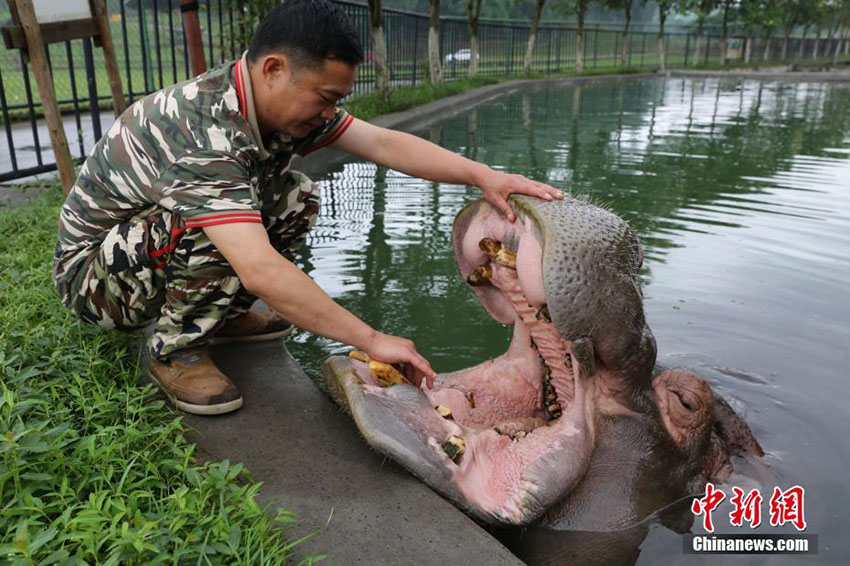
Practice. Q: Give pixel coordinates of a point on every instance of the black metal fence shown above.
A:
(152, 53)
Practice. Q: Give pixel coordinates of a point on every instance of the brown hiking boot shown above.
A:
(253, 326)
(193, 383)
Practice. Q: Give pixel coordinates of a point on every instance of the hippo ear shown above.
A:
(732, 431)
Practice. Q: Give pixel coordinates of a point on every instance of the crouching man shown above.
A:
(186, 210)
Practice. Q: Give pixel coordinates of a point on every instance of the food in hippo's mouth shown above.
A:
(509, 438)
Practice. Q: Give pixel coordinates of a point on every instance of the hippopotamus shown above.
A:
(574, 426)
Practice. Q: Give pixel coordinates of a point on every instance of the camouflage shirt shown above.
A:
(194, 149)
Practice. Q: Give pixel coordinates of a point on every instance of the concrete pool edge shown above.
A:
(312, 461)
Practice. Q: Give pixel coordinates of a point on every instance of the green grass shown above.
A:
(369, 106)
(93, 467)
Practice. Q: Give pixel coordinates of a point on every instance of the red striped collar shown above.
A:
(241, 91)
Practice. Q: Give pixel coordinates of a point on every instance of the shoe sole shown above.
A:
(253, 338)
(217, 409)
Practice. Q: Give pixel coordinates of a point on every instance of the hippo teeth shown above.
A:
(500, 272)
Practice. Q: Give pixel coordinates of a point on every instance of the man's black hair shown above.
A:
(308, 32)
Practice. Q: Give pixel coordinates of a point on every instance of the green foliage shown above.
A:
(93, 467)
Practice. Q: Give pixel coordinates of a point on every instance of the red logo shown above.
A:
(746, 508)
(705, 505)
(785, 507)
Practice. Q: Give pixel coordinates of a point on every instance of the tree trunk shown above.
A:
(624, 49)
(766, 56)
(724, 46)
(748, 47)
(473, 11)
(698, 49)
(785, 42)
(582, 7)
(832, 30)
(379, 50)
(837, 49)
(817, 44)
(435, 71)
(662, 16)
(532, 36)
(802, 47)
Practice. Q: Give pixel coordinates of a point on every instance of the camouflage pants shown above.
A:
(153, 269)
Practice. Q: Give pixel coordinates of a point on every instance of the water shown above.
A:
(740, 192)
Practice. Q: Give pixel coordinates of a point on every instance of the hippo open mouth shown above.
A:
(577, 391)
(507, 438)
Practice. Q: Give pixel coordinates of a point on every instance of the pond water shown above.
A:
(740, 192)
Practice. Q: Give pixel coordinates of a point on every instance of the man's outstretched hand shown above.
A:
(394, 350)
(497, 187)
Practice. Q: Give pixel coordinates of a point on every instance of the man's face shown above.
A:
(297, 100)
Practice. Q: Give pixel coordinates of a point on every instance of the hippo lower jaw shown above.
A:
(505, 439)
(482, 436)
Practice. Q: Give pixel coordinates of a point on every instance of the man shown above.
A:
(186, 211)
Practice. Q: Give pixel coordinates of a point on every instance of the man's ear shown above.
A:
(274, 66)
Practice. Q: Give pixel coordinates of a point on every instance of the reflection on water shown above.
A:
(740, 191)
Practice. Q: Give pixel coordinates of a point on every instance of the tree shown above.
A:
(579, 8)
(532, 36)
(794, 13)
(842, 19)
(626, 6)
(702, 8)
(727, 6)
(379, 50)
(435, 70)
(664, 8)
(473, 11)
(764, 14)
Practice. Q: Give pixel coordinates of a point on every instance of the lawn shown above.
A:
(94, 468)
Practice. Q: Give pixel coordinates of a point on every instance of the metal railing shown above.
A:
(151, 47)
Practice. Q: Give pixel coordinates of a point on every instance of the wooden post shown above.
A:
(193, 35)
(98, 10)
(44, 78)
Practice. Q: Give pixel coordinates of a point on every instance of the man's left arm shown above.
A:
(417, 157)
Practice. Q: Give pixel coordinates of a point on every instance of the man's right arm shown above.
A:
(264, 272)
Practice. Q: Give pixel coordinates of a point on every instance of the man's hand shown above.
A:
(392, 349)
(497, 187)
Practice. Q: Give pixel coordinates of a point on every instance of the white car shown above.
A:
(461, 56)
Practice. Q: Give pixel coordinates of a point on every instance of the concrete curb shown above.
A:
(771, 75)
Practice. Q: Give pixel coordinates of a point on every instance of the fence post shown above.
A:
(44, 77)
(687, 48)
(194, 42)
(92, 84)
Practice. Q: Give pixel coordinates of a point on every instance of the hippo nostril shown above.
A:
(683, 399)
